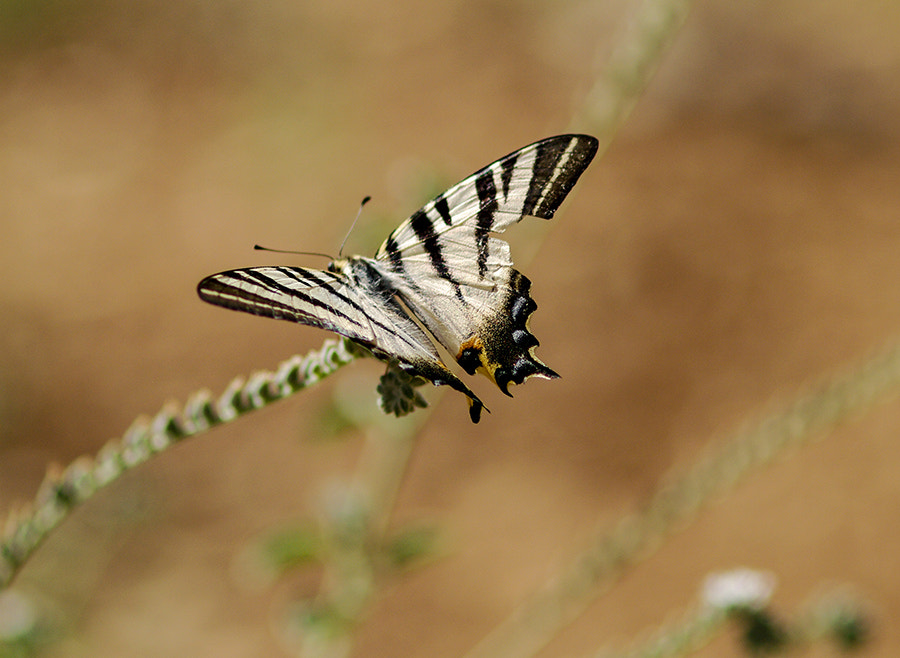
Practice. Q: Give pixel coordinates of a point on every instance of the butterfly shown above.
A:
(442, 272)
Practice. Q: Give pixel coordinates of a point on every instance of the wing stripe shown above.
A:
(557, 167)
(552, 188)
(507, 168)
(295, 273)
(219, 290)
(423, 225)
(539, 181)
(424, 228)
(392, 250)
(270, 284)
(443, 208)
(308, 278)
(487, 204)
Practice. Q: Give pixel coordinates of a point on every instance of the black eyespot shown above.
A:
(469, 360)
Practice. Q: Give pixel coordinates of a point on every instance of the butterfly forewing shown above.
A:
(329, 300)
(531, 181)
(313, 297)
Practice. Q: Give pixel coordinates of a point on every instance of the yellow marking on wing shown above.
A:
(487, 367)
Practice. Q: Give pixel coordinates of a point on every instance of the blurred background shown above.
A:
(739, 241)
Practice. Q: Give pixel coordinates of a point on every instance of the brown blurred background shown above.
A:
(739, 241)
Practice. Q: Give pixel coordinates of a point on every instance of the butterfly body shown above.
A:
(443, 268)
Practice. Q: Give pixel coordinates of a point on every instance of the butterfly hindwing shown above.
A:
(447, 267)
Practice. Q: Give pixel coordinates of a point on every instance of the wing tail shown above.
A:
(439, 375)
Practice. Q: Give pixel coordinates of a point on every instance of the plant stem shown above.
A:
(64, 489)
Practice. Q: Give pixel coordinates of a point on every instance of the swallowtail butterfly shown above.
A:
(443, 269)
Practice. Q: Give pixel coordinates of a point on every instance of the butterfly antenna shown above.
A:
(365, 200)
(296, 253)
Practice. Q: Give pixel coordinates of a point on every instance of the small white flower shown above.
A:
(738, 588)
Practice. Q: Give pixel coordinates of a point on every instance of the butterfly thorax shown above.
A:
(364, 272)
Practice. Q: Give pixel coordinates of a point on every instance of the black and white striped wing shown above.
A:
(338, 302)
(457, 277)
(320, 299)
(312, 297)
